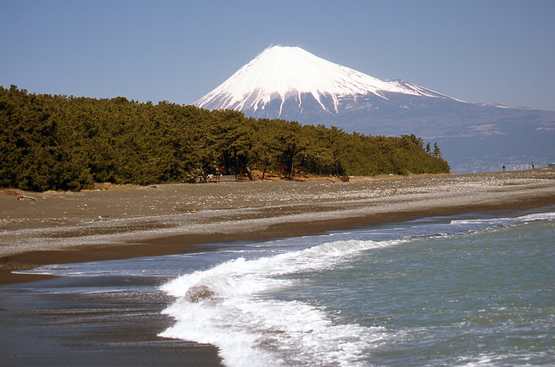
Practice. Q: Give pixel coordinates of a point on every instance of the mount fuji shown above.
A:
(292, 84)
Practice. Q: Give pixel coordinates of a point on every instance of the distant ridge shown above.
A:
(293, 84)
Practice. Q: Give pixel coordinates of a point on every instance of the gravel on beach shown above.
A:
(115, 222)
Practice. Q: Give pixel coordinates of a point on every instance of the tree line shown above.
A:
(69, 143)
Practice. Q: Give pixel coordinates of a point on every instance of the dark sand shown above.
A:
(130, 221)
(39, 328)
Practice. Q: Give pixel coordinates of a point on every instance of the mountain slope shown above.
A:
(292, 84)
(290, 73)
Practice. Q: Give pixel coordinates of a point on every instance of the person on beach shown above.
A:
(532, 164)
(503, 168)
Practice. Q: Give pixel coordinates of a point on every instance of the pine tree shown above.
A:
(437, 152)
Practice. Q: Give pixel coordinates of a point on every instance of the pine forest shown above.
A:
(53, 142)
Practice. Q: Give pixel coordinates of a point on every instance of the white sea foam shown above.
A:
(507, 220)
(230, 306)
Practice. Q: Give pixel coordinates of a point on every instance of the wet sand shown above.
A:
(43, 328)
(129, 221)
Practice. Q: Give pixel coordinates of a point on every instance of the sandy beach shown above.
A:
(114, 222)
(130, 221)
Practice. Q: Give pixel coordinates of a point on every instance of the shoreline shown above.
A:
(131, 221)
(84, 328)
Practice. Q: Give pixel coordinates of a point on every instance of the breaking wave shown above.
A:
(233, 306)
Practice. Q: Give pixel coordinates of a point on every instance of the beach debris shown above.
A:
(25, 197)
(193, 211)
(102, 186)
(18, 194)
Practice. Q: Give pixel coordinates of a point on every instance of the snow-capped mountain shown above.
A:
(292, 84)
(281, 74)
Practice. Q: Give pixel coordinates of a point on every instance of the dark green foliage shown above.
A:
(68, 143)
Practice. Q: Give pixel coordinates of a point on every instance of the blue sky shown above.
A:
(483, 51)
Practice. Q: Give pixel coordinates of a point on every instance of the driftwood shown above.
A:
(18, 194)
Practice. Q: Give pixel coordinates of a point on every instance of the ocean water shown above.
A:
(468, 290)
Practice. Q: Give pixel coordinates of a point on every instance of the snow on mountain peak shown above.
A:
(284, 72)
